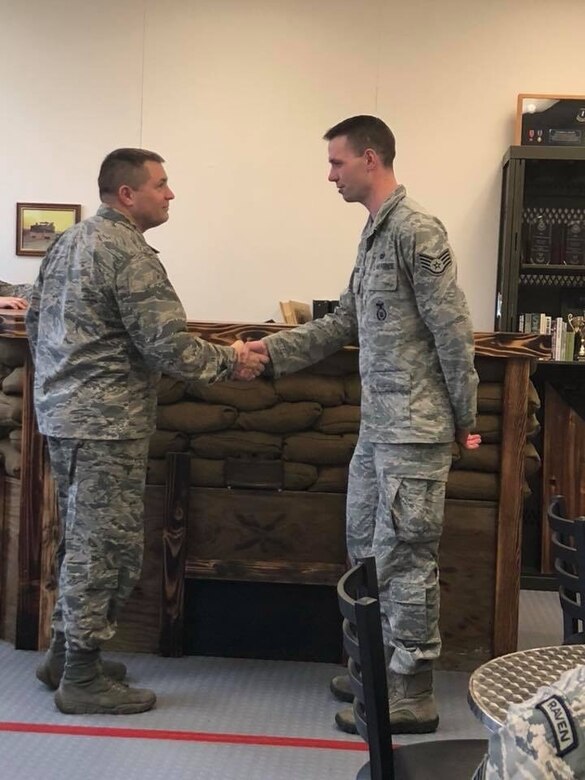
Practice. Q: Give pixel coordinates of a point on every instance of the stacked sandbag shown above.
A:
(12, 357)
(307, 421)
(475, 474)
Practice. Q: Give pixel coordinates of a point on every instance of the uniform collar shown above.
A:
(386, 208)
(107, 212)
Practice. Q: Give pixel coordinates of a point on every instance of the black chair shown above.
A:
(568, 548)
(357, 593)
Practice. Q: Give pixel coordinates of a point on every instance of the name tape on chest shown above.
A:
(435, 265)
(561, 723)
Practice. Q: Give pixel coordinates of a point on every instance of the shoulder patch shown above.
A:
(561, 723)
(435, 265)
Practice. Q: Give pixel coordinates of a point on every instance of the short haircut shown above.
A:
(366, 132)
(124, 166)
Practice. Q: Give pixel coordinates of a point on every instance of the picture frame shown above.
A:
(543, 119)
(38, 224)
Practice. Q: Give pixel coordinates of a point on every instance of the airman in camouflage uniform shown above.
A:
(419, 385)
(104, 322)
(544, 737)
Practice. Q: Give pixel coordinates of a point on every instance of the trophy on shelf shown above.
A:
(578, 326)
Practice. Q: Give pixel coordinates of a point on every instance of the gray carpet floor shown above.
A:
(244, 705)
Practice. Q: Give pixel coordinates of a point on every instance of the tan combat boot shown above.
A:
(85, 690)
(340, 687)
(51, 669)
(413, 709)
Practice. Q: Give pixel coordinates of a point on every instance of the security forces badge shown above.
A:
(435, 265)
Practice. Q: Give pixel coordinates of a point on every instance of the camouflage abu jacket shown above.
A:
(104, 321)
(412, 322)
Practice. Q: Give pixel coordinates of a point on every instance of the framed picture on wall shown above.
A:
(37, 224)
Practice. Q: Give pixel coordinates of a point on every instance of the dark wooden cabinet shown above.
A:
(541, 269)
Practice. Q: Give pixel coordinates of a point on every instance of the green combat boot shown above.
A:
(51, 669)
(85, 690)
(413, 709)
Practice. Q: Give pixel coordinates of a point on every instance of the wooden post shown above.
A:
(49, 575)
(30, 535)
(510, 509)
(174, 540)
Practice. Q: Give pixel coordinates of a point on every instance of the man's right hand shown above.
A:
(258, 346)
(250, 363)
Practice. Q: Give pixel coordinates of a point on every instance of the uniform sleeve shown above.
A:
(291, 350)
(443, 308)
(32, 315)
(155, 320)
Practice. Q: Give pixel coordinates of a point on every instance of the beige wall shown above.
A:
(236, 94)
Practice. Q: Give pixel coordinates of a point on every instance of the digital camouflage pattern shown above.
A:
(544, 737)
(101, 500)
(395, 506)
(8, 290)
(412, 322)
(104, 321)
(419, 384)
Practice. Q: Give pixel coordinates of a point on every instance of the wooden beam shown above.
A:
(174, 541)
(511, 503)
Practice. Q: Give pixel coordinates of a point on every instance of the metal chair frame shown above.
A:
(568, 548)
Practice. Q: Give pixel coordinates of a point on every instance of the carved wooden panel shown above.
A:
(467, 561)
(253, 525)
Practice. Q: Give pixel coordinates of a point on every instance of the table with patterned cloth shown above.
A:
(513, 678)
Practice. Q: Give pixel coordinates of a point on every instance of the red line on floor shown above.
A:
(184, 736)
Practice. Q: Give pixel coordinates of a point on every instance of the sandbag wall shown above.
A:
(12, 358)
(310, 421)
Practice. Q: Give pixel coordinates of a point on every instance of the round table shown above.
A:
(513, 678)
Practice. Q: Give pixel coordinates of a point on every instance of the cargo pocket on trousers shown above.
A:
(408, 614)
(101, 578)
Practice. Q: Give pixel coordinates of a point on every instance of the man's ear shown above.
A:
(126, 195)
(371, 158)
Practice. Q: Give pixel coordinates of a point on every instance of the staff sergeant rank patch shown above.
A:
(436, 265)
(561, 723)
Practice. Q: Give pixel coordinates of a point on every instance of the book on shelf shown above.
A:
(534, 322)
(559, 339)
(570, 345)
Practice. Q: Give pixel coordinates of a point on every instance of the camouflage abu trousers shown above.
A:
(395, 507)
(101, 504)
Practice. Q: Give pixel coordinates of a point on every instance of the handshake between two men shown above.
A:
(252, 357)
